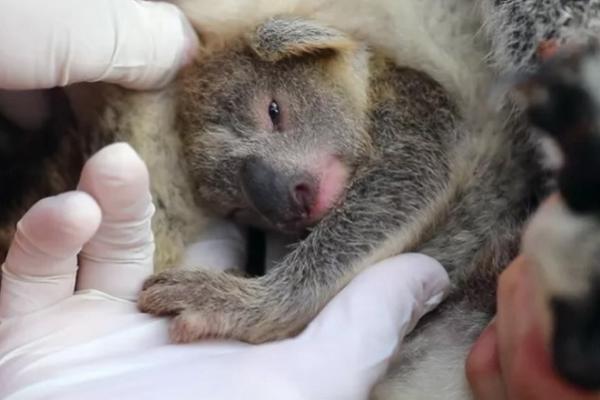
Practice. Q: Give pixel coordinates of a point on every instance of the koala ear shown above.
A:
(281, 37)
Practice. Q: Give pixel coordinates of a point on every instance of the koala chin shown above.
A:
(363, 149)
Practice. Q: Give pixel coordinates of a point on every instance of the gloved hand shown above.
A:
(95, 344)
(138, 44)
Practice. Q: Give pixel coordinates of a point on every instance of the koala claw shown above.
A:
(161, 296)
(207, 304)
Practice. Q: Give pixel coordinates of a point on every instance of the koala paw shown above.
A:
(167, 293)
(206, 305)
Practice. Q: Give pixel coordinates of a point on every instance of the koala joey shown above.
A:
(300, 128)
(306, 129)
(275, 136)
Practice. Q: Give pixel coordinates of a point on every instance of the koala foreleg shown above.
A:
(281, 303)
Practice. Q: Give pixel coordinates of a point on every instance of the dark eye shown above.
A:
(274, 112)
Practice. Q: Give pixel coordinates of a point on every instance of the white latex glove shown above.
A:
(95, 344)
(138, 44)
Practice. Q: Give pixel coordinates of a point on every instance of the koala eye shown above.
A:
(274, 112)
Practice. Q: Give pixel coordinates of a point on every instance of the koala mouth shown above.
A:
(291, 202)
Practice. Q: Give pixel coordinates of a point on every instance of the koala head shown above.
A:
(274, 123)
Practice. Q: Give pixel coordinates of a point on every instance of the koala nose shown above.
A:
(303, 196)
(576, 344)
(284, 198)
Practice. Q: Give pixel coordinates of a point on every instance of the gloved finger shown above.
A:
(138, 44)
(120, 256)
(362, 327)
(41, 264)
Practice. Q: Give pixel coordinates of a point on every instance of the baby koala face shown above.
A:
(273, 123)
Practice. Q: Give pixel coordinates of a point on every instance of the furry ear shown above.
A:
(282, 37)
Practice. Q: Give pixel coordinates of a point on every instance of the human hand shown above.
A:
(95, 344)
(511, 359)
(138, 44)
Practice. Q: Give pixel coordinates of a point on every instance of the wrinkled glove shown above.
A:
(138, 44)
(94, 344)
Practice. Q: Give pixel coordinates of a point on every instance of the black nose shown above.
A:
(577, 340)
(283, 197)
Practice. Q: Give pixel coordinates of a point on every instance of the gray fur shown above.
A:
(423, 177)
(427, 181)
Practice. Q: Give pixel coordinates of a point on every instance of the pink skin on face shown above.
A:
(333, 177)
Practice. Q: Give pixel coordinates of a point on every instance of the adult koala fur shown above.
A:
(374, 141)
